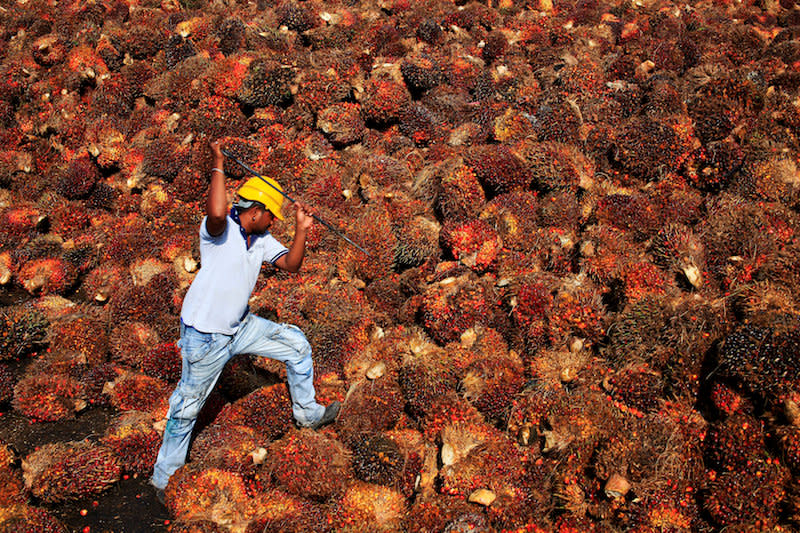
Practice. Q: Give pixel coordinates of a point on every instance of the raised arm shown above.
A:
(217, 201)
(303, 221)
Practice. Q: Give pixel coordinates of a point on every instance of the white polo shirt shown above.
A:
(217, 300)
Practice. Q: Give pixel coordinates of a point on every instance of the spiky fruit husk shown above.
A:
(83, 337)
(788, 438)
(376, 459)
(268, 411)
(7, 383)
(491, 384)
(454, 305)
(423, 383)
(474, 243)
(95, 379)
(50, 275)
(309, 464)
(732, 443)
(280, 512)
(498, 168)
(751, 495)
(371, 406)
(46, 397)
(639, 388)
(70, 470)
(556, 166)
(372, 231)
(342, 123)
(139, 392)
(752, 356)
(226, 447)
(197, 493)
(433, 512)
(130, 342)
(478, 456)
(383, 100)
(266, 84)
(380, 508)
(134, 440)
(22, 518)
(163, 361)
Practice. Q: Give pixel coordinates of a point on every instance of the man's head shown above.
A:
(259, 204)
(264, 191)
(254, 217)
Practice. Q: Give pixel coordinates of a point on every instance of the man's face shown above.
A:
(263, 220)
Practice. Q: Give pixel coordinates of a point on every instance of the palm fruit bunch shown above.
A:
(362, 503)
(227, 447)
(24, 328)
(48, 397)
(267, 411)
(27, 519)
(70, 470)
(309, 464)
(133, 438)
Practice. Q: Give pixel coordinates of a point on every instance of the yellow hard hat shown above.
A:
(256, 190)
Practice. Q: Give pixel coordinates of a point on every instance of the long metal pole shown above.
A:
(292, 200)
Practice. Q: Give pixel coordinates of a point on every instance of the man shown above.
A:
(215, 320)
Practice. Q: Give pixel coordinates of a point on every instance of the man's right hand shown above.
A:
(216, 150)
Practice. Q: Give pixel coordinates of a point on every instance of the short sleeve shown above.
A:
(273, 250)
(206, 236)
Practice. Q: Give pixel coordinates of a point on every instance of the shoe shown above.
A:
(160, 497)
(328, 417)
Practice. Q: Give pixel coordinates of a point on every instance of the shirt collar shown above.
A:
(242, 232)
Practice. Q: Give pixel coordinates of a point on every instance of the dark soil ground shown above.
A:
(129, 506)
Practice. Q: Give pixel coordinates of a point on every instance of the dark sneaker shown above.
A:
(160, 496)
(328, 417)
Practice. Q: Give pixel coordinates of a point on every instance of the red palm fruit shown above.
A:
(163, 361)
(309, 464)
(134, 440)
(13, 490)
(268, 411)
(219, 117)
(498, 168)
(19, 224)
(383, 100)
(371, 406)
(372, 231)
(449, 409)
(732, 443)
(280, 512)
(342, 123)
(198, 493)
(491, 384)
(131, 341)
(50, 275)
(133, 391)
(82, 337)
(266, 83)
(461, 197)
(479, 457)
(555, 166)
(789, 444)
(65, 471)
(376, 459)
(728, 400)
(437, 512)
(455, 304)
(364, 503)
(642, 279)
(46, 397)
(424, 380)
(23, 328)
(103, 282)
(95, 379)
(78, 178)
(634, 213)
(749, 496)
(421, 73)
(228, 447)
(515, 217)
(318, 91)
(577, 310)
(475, 243)
(678, 249)
(22, 518)
(164, 157)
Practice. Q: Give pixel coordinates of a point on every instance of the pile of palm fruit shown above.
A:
(580, 310)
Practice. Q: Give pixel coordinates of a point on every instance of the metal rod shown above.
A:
(292, 200)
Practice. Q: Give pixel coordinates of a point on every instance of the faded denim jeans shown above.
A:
(204, 356)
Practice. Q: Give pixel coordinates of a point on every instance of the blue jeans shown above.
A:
(204, 356)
